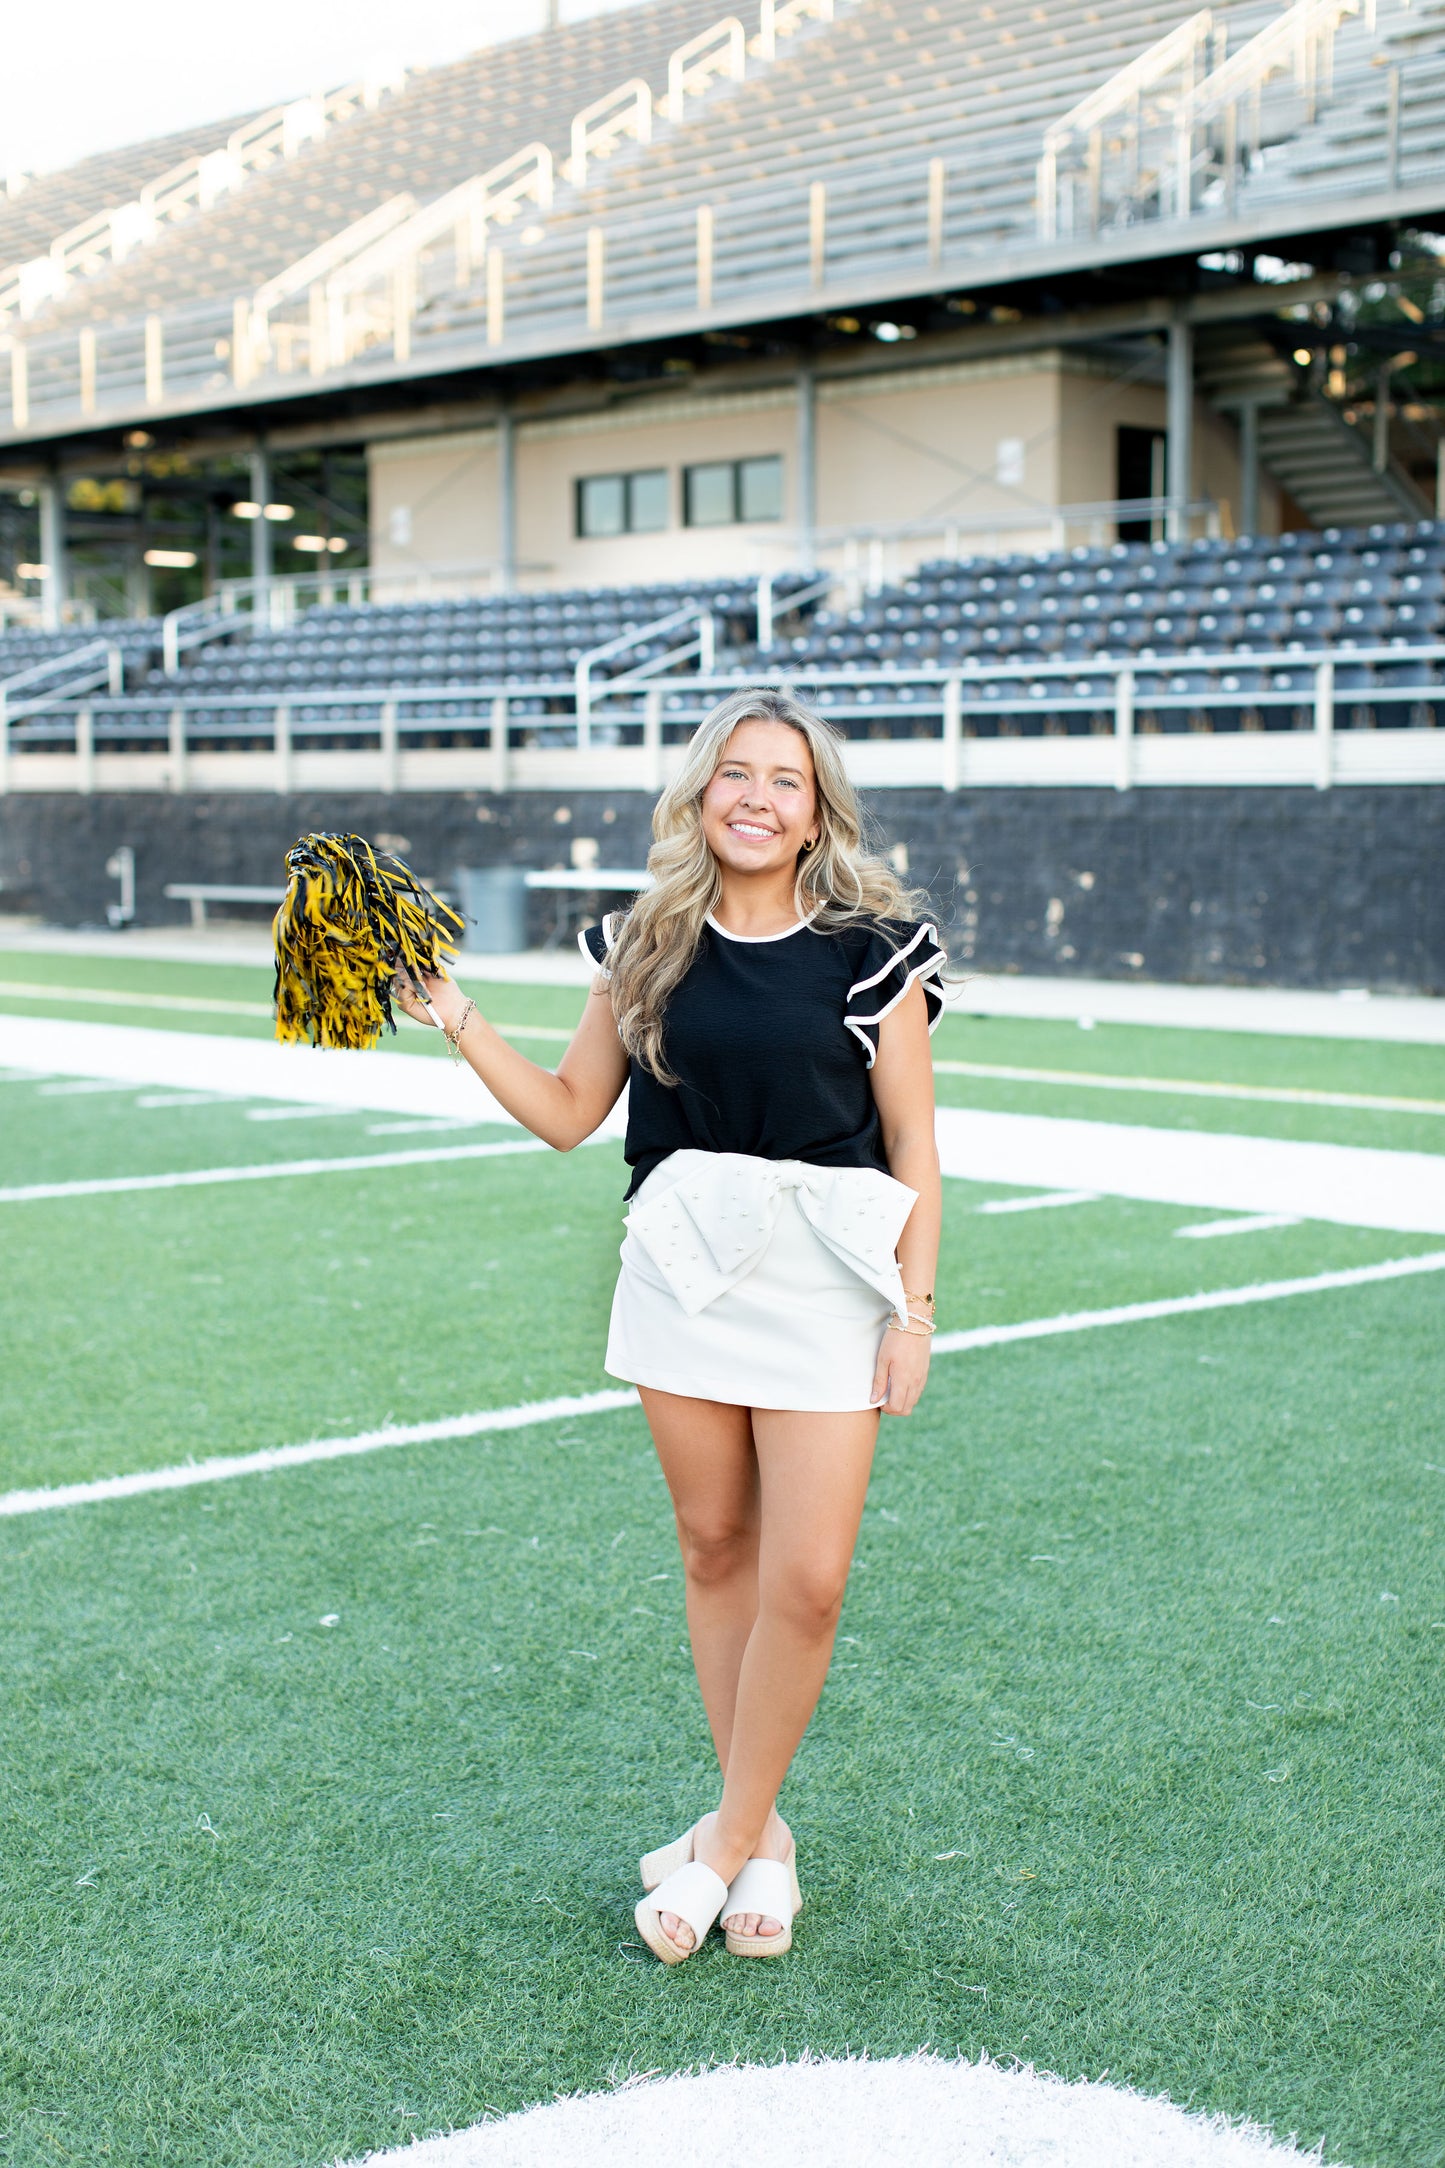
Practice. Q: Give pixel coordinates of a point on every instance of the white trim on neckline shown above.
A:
(756, 940)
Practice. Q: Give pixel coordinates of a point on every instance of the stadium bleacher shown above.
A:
(1265, 605)
(451, 122)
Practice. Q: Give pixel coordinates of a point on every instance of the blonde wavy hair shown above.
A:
(838, 882)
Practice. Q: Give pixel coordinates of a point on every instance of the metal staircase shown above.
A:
(1303, 441)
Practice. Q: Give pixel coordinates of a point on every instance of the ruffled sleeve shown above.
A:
(896, 955)
(596, 943)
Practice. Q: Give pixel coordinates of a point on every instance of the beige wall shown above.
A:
(972, 443)
(991, 447)
(1094, 406)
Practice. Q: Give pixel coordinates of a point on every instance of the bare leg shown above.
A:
(710, 1463)
(707, 1456)
(813, 1477)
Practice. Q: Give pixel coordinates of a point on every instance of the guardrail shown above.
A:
(195, 184)
(833, 240)
(1311, 720)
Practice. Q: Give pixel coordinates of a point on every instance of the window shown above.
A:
(609, 504)
(760, 489)
(726, 491)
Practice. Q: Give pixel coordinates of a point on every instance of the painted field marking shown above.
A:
(1255, 1225)
(254, 1068)
(1046, 1203)
(427, 1124)
(1215, 1170)
(210, 1005)
(81, 1087)
(153, 1100)
(296, 1114)
(201, 1177)
(1180, 1088)
(221, 1467)
(113, 998)
(1223, 1298)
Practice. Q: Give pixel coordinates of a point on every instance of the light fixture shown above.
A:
(887, 332)
(171, 560)
(313, 542)
(32, 572)
(246, 509)
(280, 511)
(337, 544)
(1303, 356)
(139, 440)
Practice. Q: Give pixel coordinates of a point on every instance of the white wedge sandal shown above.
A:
(768, 1887)
(696, 1895)
(655, 1867)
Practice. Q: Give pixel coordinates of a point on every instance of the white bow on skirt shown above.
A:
(710, 1227)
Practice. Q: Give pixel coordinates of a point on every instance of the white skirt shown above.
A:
(760, 1283)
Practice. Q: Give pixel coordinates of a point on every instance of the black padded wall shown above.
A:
(1284, 887)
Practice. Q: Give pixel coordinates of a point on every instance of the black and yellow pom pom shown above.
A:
(352, 919)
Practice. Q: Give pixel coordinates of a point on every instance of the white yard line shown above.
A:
(1274, 1011)
(153, 1100)
(382, 1082)
(424, 1123)
(296, 1114)
(1215, 1171)
(79, 1088)
(1047, 1203)
(223, 1466)
(106, 997)
(114, 997)
(1258, 1224)
(1352, 1185)
(1184, 1088)
(1222, 1298)
(116, 1185)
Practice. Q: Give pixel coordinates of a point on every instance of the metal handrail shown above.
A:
(704, 647)
(953, 694)
(201, 180)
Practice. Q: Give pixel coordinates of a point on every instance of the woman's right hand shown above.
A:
(446, 998)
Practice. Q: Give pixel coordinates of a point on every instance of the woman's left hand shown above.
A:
(902, 1371)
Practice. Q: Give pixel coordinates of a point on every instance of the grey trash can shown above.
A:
(493, 901)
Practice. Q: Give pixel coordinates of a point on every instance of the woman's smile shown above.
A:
(753, 831)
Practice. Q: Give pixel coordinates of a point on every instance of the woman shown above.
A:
(769, 1001)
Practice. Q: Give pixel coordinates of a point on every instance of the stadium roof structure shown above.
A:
(659, 190)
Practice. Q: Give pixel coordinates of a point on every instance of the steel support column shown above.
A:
(506, 503)
(1180, 424)
(260, 525)
(1249, 467)
(806, 500)
(56, 586)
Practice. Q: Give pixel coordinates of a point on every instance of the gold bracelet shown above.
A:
(909, 1296)
(453, 1037)
(916, 1328)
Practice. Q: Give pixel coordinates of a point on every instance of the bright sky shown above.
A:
(85, 75)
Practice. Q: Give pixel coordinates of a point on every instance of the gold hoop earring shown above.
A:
(810, 843)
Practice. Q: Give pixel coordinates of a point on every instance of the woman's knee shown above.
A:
(808, 1598)
(715, 1550)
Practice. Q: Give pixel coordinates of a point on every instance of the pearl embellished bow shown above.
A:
(709, 1229)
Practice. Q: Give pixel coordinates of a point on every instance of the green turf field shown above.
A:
(322, 1790)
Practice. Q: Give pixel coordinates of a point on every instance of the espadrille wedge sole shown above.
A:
(769, 1888)
(696, 1895)
(655, 1867)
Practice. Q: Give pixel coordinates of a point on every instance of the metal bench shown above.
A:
(200, 894)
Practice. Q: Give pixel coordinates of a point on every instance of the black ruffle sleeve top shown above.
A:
(771, 1039)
